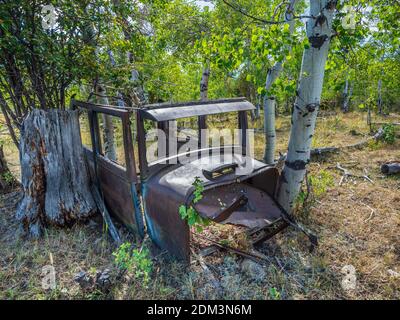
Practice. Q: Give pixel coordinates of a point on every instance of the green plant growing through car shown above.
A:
(189, 213)
(134, 260)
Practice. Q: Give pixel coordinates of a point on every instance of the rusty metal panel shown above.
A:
(186, 111)
(257, 211)
(171, 187)
(116, 189)
(164, 225)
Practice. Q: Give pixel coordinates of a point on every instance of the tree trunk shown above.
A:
(204, 83)
(390, 168)
(258, 107)
(369, 118)
(204, 93)
(54, 174)
(7, 180)
(269, 129)
(269, 101)
(347, 92)
(380, 96)
(89, 36)
(307, 101)
(108, 126)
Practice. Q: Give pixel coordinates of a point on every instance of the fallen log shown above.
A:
(387, 123)
(391, 168)
(321, 151)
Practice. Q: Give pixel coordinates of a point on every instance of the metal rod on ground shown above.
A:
(106, 216)
(234, 250)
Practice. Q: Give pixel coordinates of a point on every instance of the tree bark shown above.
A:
(89, 33)
(258, 107)
(269, 129)
(307, 101)
(347, 92)
(380, 96)
(55, 178)
(269, 101)
(204, 83)
(108, 126)
(204, 93)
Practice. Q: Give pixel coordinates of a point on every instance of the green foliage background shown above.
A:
(172, 41)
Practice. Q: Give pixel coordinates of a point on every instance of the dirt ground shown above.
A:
(356, 220)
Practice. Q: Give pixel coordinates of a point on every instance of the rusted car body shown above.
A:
(147, 198)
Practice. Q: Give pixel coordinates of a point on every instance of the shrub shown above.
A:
(136, 261)
(389, 135)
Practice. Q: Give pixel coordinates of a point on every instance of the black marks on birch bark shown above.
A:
(311, 107)
(331, 5)
(296, 164)
(317, 41)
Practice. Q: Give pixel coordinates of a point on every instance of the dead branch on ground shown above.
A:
(347, 174)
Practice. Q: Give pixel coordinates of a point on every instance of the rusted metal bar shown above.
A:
(110, 110)
(225, 213)
(192, 103)
(243, 131)
(269, 231)
(234, 250)
(143, 166)
(128, 149)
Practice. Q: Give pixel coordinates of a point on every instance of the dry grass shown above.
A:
(357, 223)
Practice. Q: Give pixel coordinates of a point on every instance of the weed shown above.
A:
(136, 261)
(8, 177)
(274, 293)
(374, 145)
(189, 213)
(317, 185)
(321, 182)
(389, 135)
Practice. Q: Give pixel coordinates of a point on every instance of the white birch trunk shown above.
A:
(109, 144)
(204, 92)
(204, 83)
(380, 96)
(347, 92)
(269, 127)
(307, 101)
(108, 126)
(269, 102)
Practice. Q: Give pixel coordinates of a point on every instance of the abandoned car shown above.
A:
(146, 196)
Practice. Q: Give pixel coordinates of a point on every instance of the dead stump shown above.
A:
(54, 173)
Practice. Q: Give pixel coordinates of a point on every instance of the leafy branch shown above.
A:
(189, 213)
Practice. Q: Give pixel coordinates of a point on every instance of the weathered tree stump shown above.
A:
(54, 173)
(7, 180)
(390, 168)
